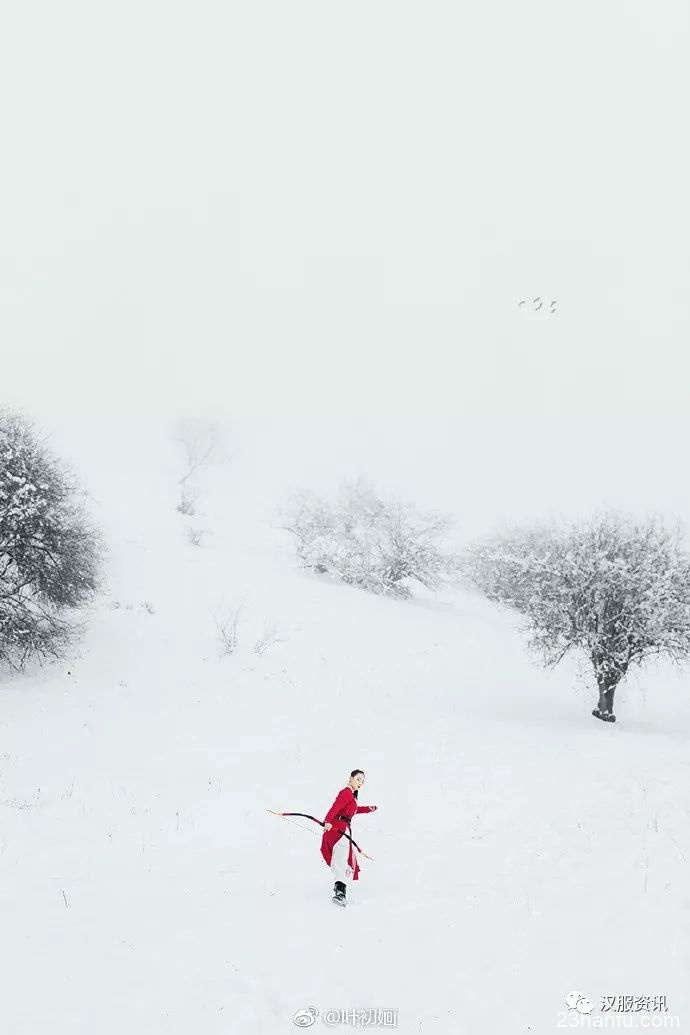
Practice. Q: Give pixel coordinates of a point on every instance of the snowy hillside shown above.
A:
(521, 850)
(443, 246)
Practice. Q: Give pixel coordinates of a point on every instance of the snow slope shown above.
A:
(522, 850)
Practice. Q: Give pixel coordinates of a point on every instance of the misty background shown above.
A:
(314, 224)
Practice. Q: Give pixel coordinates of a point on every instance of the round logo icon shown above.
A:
(305, 1018)
(576, 1001)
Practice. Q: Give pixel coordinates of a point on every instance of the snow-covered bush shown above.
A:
(616, 588)
(369, 542)
(49, 553)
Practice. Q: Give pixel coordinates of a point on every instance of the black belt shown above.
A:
(343, 819)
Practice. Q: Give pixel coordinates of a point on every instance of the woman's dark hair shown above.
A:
(356, 772)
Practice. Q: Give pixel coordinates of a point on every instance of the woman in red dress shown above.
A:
(336, 849)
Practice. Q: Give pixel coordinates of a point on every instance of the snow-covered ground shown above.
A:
(444, 246)
(521, 850)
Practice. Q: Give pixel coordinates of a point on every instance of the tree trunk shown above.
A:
(607, 688)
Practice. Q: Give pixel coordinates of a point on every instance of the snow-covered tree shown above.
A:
(366, 541)
(49, 553)
(616, 588)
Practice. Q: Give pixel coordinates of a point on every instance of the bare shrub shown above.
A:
(187, 504)
(227, 630)
(195, 536)
(269, 638)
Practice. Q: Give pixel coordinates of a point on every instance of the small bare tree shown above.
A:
(616, 588)
(199, 441)
(366, 541)
(50, 555)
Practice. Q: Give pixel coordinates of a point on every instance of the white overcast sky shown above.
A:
(317, 212)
